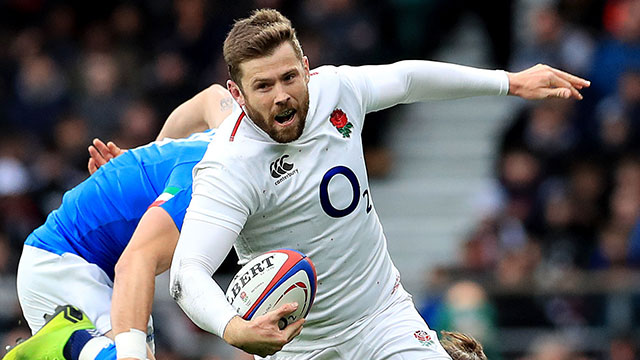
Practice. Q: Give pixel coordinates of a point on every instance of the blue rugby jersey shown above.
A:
(98, 217)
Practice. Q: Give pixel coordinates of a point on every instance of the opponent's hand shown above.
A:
(543, 81)
(100, 154)
(261, 336)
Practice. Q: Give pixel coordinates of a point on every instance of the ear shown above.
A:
(236, 93)
(305, 61)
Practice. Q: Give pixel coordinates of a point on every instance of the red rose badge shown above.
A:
(423, 337)
(339, 120)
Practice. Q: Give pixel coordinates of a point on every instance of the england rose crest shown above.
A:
(423, 337)
(339, 120)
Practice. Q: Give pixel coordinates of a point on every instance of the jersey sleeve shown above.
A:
(220, 197)
(381, 86)
(200, 251)
(177, 193)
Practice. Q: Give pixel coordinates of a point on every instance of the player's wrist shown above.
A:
(131, 344)
(234, 327)
(514, 86)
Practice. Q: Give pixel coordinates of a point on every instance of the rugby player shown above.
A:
(288, 172)
(68, 333)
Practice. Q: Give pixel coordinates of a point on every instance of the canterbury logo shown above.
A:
(280, 167)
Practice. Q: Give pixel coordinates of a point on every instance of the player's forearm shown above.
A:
(205, 110)
(133, 291)
(414, 80)
(202, 299)
(185, 120)
(131, 303)
(200, 251)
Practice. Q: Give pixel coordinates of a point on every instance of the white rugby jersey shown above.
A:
(312, 194)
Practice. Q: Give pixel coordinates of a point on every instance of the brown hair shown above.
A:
(462, 347)
(257, 36)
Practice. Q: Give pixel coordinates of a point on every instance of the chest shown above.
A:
(309, 190)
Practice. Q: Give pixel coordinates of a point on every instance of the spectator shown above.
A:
(552, 347)
(620, 50)
(555, 42)
(40, 96)
(623, 347)
(101, 99)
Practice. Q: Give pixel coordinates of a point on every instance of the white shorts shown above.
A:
(397, 333)
(47, 280)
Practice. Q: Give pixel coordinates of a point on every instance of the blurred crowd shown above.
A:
(557, 245)
(567, 192)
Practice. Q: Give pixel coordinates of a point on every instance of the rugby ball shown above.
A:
(271, 280)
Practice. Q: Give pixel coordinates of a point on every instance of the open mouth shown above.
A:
(285, 117)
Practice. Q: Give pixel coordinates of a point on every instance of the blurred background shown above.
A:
(516, 222)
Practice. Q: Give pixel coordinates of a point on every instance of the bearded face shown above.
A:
(274, 93)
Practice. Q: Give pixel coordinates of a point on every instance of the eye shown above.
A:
(289, 77)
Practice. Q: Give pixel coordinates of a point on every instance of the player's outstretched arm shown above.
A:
(205, 110)
(409, 81)
(101, 153)
(148, 254)
(261, 336)
(543, 81)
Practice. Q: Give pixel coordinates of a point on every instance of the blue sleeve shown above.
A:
(180, 185)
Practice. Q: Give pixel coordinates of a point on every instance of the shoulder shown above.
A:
(331, 85)
(324, 74)
(338, 79)
(232, 153)
(231, 170)
(332, 72)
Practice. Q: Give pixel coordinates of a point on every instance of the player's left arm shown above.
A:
(383, 86)
(148, 253)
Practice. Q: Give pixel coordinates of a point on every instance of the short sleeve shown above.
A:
(176, 195)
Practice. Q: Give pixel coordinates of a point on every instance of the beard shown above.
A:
(277, 133)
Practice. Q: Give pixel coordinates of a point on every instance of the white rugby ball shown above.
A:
(271, 280)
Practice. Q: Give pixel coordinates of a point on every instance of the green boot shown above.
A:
(48, 343)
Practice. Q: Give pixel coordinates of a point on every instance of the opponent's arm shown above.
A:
(414, 80)
(205, 110)
(200, 251)
(148, 254)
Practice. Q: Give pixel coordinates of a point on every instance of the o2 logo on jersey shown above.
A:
(325, 201)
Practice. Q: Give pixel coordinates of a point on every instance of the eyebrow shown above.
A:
(290, 72)
(258, 80)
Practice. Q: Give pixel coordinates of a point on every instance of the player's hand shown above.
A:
(261, 336)
(543, 81)
(100, 154)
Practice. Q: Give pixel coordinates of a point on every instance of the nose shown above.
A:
(282, 96)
